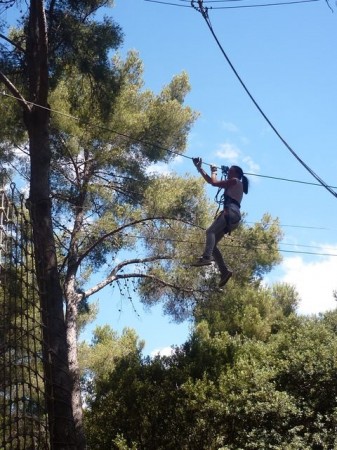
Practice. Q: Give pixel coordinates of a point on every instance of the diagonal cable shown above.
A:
(204, 12)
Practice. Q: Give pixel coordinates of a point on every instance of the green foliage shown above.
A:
(100, 358)
(12, 133)
(176, 197)
(250, 310)
(253, 375)
(87, 313)
(226, 392)
(91, 154)
(100, 178)
(75, 41)
(243, 304)
(254, 251)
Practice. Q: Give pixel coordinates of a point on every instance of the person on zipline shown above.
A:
(234, 186)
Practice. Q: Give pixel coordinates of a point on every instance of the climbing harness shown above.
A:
(223, 202)
(220, 200)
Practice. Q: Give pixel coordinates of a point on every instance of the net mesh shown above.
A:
(23, 416)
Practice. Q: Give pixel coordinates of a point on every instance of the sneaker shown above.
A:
(225, 278)
(202, 261)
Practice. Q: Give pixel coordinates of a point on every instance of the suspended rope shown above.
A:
(142, 141)
(204, 12)
(253, 5)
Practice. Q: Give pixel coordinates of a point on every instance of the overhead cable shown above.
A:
(142, 141)
(254, 5)
(238, 244)
(168, 3)
(262, 5)
(204, 12)
(179, 154)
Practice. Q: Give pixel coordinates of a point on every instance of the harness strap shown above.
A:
(228, 200)
(229, 222)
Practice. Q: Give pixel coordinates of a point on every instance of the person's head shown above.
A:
(237, 172)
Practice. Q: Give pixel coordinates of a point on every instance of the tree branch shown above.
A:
(43, 44)
(114, 276)
(123, 227)
(10, 86)
(17, 46)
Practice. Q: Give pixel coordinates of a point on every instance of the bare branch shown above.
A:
(124, 227)
(160, 281)
(10, 86)
(14, 44)
(127, 262)
(114, 276)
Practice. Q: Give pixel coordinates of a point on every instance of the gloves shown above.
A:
(197, 162)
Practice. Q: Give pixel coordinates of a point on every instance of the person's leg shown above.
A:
(224, 278)
(218, 258)
(213, 234)
(224, 271)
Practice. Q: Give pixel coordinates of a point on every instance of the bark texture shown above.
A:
(59, 383)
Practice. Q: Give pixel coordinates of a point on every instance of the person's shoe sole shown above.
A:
(202, 263)
(225, 279)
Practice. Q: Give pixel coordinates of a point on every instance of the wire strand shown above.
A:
(204, 12)
(104, 128)
(190, 242)
(122, 134)
(262, 5)
(255, 5)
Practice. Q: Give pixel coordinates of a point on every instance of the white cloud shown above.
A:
(233, 155)
(164, 168)
(177, 160)
(229, 152)
(158, 169)
(229, 126)
(165, 351)
(315, 281)
(252, 166)
(232, 128)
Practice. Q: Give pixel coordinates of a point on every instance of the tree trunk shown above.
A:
(58, 379)
(72, 299)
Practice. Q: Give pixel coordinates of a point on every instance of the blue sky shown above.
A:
(286, 56)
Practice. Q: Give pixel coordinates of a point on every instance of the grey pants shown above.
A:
(215, 233)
